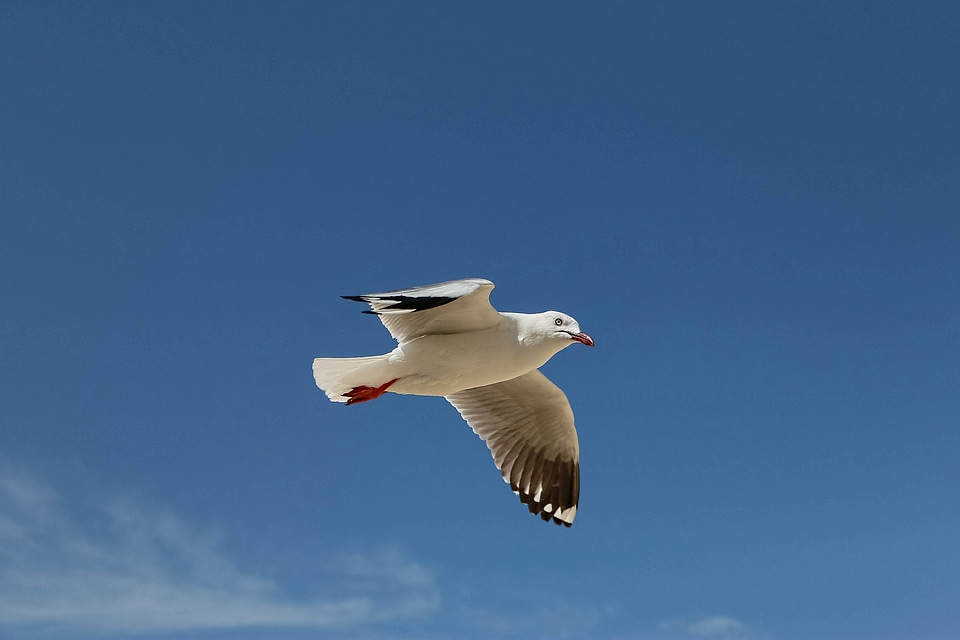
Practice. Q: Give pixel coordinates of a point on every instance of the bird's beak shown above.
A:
(582, 337)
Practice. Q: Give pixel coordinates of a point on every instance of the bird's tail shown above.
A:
(336, 376)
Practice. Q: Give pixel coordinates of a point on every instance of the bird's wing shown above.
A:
(457, 306)
(527, 424)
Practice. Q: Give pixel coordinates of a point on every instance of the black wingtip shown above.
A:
(361, 299)
(402, 303)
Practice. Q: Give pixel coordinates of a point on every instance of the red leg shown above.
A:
(363, 393)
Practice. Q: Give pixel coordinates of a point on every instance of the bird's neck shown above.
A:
(531, 338)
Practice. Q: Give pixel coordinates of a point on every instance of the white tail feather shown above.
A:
(336, 376)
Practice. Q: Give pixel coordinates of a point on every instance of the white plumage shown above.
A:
(453, 343)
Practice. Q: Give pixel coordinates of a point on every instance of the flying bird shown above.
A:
(453, 343)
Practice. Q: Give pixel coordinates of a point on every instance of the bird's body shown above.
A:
(442, 364)
(452, 343)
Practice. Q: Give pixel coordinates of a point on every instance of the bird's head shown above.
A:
(560, 326)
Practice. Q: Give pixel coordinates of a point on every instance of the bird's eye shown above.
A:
(559, 321)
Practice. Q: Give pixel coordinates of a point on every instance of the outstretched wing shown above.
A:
(527, 424)
(457, 306)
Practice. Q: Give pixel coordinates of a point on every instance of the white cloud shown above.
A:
(127, 569)
(716, 626)
(721, 627)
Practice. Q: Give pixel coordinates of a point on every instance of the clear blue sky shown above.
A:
(754, 209)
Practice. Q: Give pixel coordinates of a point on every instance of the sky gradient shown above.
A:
(753, 208)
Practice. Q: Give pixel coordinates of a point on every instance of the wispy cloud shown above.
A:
(716, 627)
(125, 568)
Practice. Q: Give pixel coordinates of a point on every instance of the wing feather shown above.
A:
(457, 306)
(527, 424)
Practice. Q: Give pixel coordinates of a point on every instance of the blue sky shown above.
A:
(753, 208)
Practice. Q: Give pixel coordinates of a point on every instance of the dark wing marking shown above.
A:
(403, 303)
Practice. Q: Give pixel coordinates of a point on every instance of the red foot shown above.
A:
(363, 393)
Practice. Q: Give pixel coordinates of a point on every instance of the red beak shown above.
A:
(582, 337)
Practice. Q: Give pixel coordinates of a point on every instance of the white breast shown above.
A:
(441, 365)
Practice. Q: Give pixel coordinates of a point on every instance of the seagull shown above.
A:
(451, 342)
